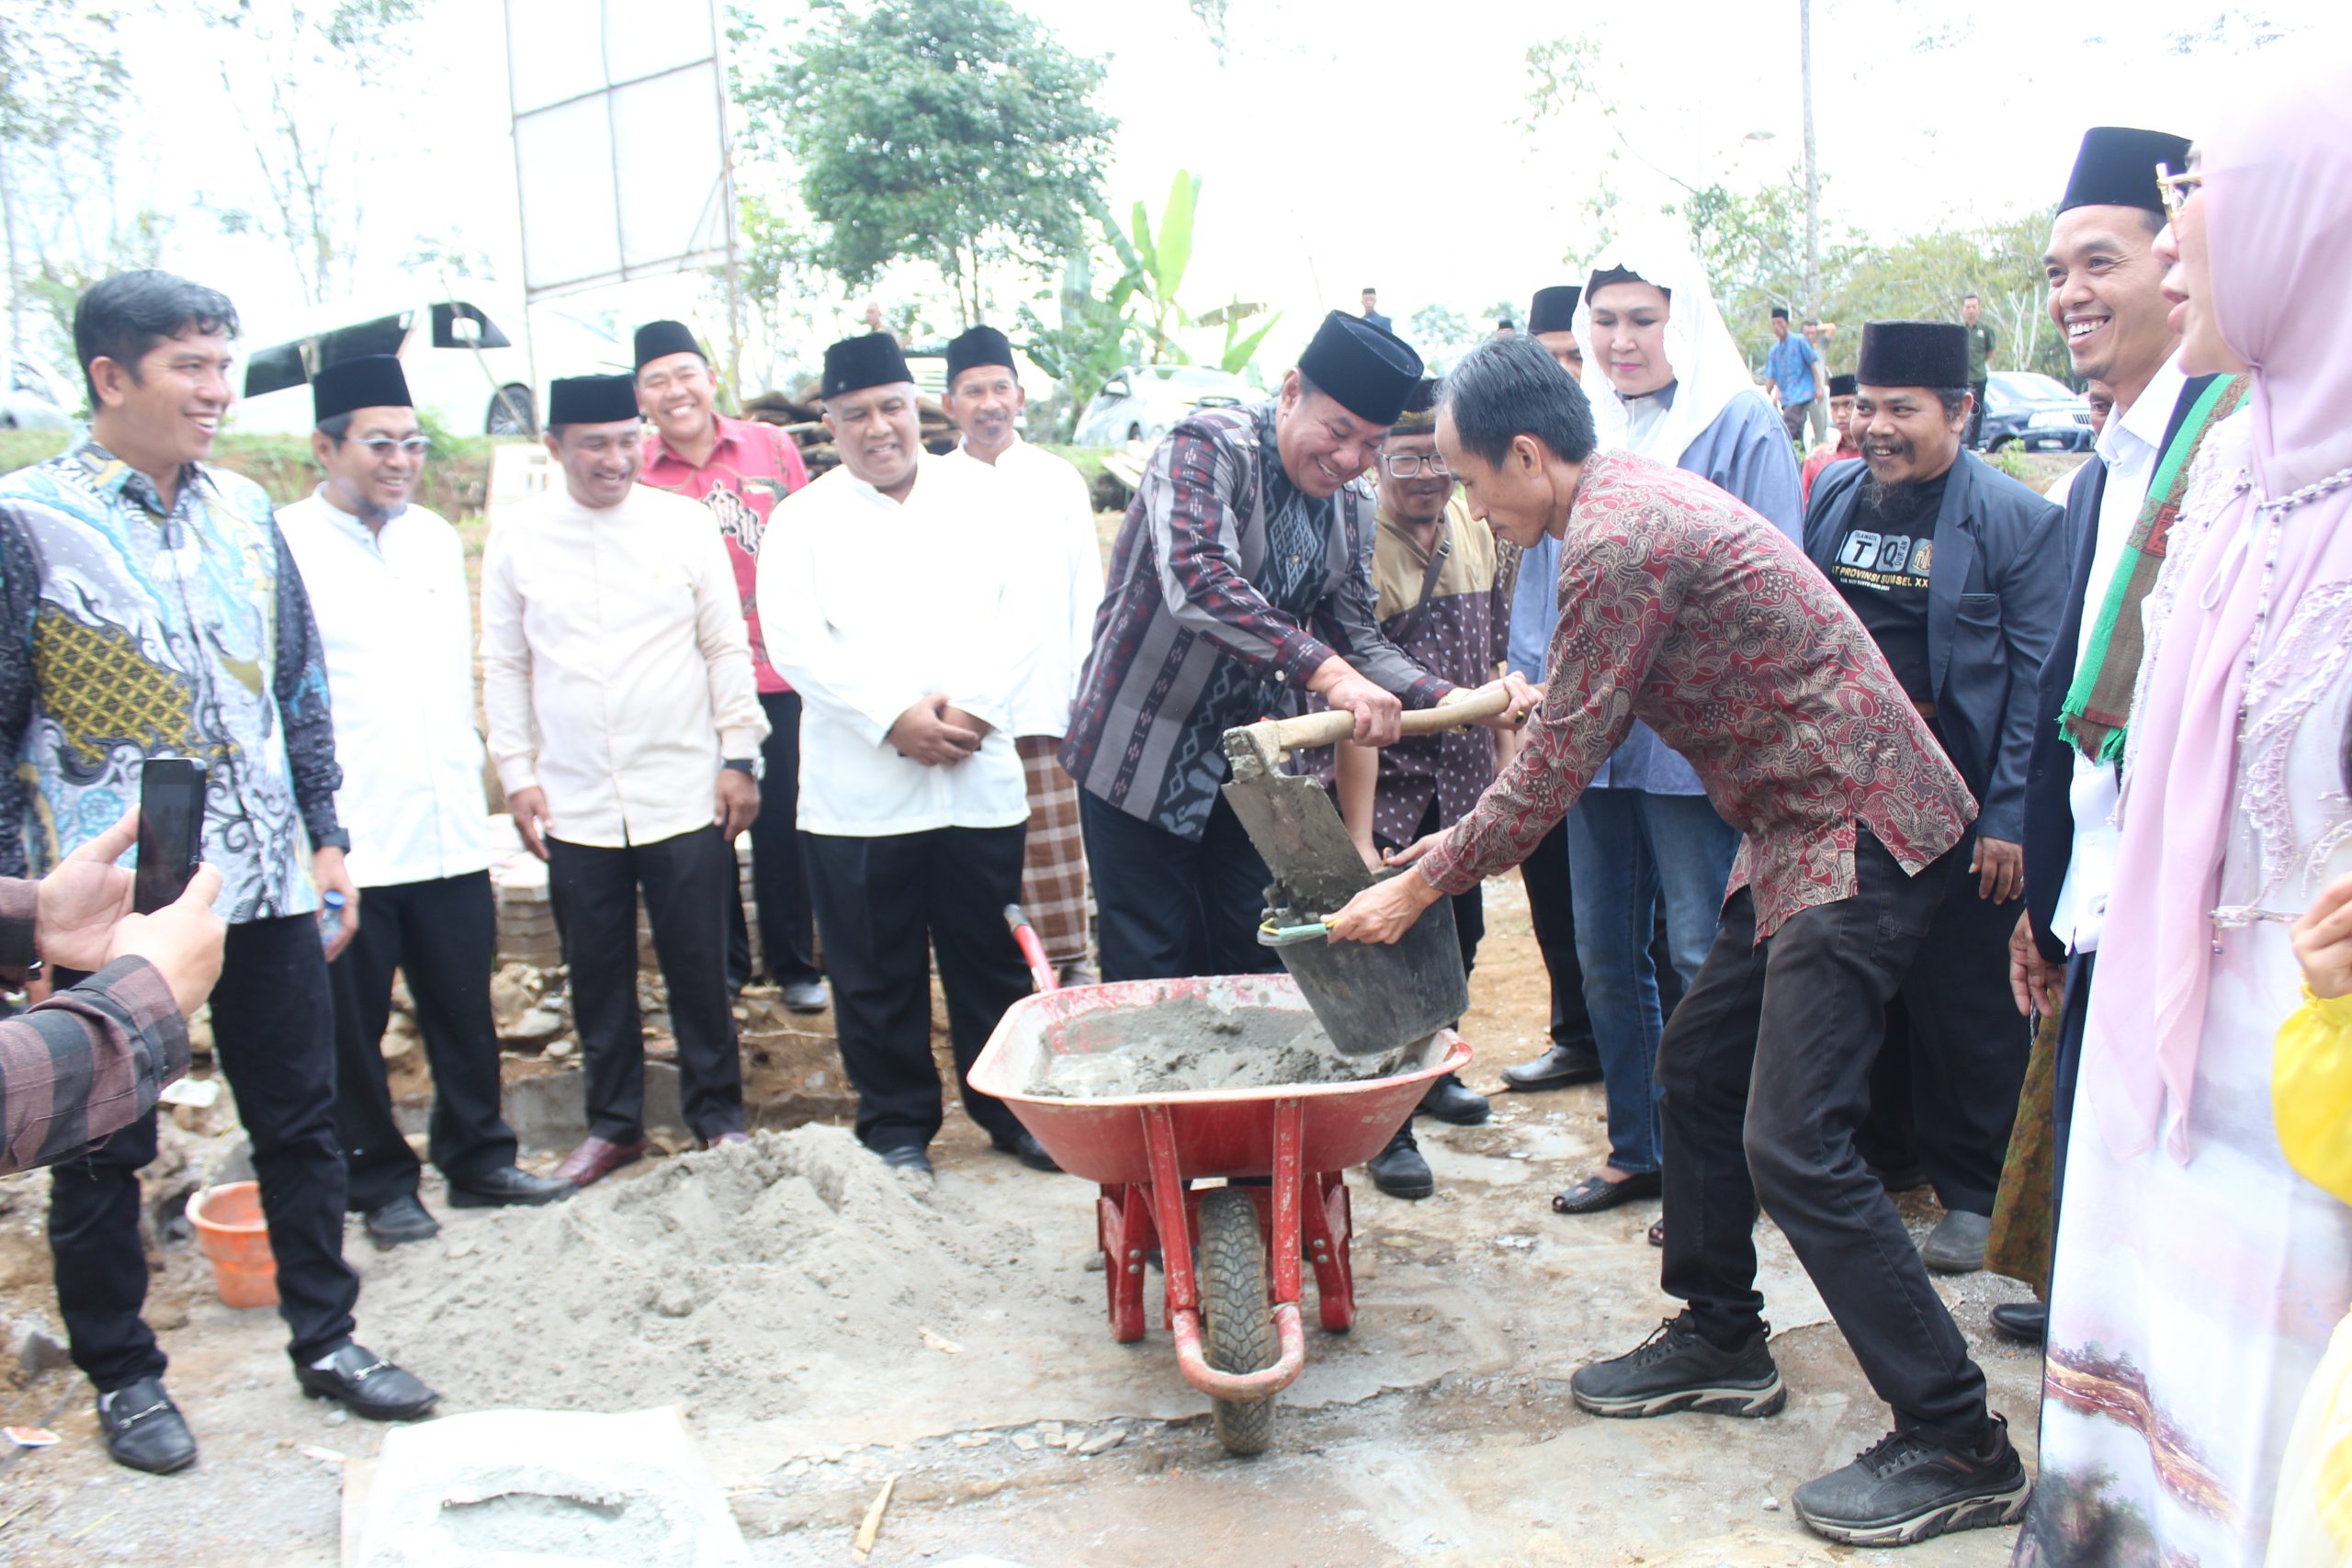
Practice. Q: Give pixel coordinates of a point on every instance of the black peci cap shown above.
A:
(1914, 353)
(368, 381)
(870, 359)
(592, 400)
(1368, 372)
(1554, 310)
(656, 340)
(1841, 385)
(2117, 167)
(981, 345)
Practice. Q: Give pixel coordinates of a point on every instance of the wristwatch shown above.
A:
(742, 765)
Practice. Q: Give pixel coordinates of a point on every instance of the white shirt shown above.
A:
(2130, 446)
(396, 623)
(1056, 565)
(869, 605)
(615, 669)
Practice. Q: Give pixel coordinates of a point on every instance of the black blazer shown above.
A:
(2050, 771)
(1994, 594)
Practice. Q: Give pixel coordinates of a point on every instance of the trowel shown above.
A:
(1371, 999)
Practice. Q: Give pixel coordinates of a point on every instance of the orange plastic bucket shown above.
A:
(232, 1233)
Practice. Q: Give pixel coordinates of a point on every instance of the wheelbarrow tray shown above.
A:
(1215, 1132)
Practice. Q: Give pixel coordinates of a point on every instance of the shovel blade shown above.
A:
(1299, 833)
(1374, 999)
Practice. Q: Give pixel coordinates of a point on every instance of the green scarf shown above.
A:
(2097, 714)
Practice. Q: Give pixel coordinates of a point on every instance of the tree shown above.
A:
(61, 87)
(955, 132)
(289, 54)
(1094, 341)
(1440, 335)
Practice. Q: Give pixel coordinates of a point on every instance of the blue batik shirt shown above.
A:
(129, 632)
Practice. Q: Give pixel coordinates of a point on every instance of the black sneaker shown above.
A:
(1905, 1487)
(1677, 1368)
(1399, 1170)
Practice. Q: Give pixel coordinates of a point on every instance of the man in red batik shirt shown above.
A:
(1683, 608)
(739, 469)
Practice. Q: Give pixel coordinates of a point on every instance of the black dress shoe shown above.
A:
(1556, 1069)
(402, 1219)
(505, 1186)
(368, 1385)
(906, 1156)
(1399, 1170)
(1025, 1148)
(1595, 1193)
(2028, 1320)
(145, 1429)
(1449, 1101)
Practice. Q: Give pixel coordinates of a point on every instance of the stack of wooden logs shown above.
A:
(802, 417)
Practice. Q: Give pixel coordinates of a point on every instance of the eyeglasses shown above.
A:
(1406, 466)
(383, 446)
(2175, 190)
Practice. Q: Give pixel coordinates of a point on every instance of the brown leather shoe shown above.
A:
(724, 1139)
(597, 1157)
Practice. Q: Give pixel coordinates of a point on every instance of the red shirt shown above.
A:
(1681, 607)
(753, 466)
(1820, 459)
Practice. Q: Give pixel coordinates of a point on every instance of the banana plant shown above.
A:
(1157, 260)
(1239, 350)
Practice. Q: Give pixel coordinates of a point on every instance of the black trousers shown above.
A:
(884, 905)
(687, 881)
(779, 871)
(1944, 1090)
(1553, 915)
(273, 1033)
(1167, 906)
(443, 935)
(2073, 1019)
(1766, 1071)
(1976, 419)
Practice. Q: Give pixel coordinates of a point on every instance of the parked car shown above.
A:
(464, 371)
(34, 399)
(1142, 402)
(2036, 412)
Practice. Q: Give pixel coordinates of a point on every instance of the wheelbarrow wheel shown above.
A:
(1238, 1330)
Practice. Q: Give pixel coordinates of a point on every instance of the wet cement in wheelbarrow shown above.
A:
(1189, 1044)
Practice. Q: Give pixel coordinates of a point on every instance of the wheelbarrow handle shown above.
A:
(1032, 952)
(1277, 735)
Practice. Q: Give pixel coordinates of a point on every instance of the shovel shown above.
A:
(1370, 999)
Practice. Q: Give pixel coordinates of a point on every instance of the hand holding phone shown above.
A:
(171, 830)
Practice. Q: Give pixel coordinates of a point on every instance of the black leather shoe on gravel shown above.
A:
(145, 1429)
(1399, 1170)
(366, 1385)
(1556, 1069)
(1906, 1487)
(1450, 1099)
(1679, 1369)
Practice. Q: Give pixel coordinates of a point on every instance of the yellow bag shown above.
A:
(2310, 1091)
(2311, 1524)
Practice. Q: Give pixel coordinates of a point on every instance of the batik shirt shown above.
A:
(1229, 588)
(128, 632)
(1683, 608)
(753, 466)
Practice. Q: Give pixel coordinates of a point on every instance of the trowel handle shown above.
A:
(1323, 729)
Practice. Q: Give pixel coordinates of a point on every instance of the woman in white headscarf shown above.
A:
(1666, 382)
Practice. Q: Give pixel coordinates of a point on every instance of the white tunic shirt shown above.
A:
(396, 621)
(2130, 446)
(868, 604)
(1056, 565)
(616, 671)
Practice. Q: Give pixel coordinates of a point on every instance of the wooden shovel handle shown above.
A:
(1323, 729)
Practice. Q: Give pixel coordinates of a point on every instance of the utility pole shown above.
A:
(1812, 170)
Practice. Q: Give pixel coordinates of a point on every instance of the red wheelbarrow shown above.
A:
(1145, 1151)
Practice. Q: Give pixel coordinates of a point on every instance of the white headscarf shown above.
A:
(1709, 370)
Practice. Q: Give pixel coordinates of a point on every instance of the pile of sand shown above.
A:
(1191, 1043)
(754, 1281)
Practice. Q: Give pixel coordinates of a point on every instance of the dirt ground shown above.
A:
(1440, 1431)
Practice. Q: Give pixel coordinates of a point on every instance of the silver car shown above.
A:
(33, 400)
(1142, 402)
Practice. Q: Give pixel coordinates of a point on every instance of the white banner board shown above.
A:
(620, 140)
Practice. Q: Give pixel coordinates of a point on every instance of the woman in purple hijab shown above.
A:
(2197, 1277)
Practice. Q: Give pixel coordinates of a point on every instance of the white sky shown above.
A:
(1375, 141)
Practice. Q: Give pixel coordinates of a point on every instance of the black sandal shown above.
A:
(1596, 1193)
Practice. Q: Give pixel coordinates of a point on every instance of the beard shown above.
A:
(1889, 498)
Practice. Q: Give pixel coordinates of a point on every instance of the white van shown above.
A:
(463, 369)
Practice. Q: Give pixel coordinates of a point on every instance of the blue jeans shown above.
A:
(1625, 848)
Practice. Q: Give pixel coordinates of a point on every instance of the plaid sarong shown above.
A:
(1053, 871)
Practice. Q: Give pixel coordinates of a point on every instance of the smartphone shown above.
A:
(171, 830)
